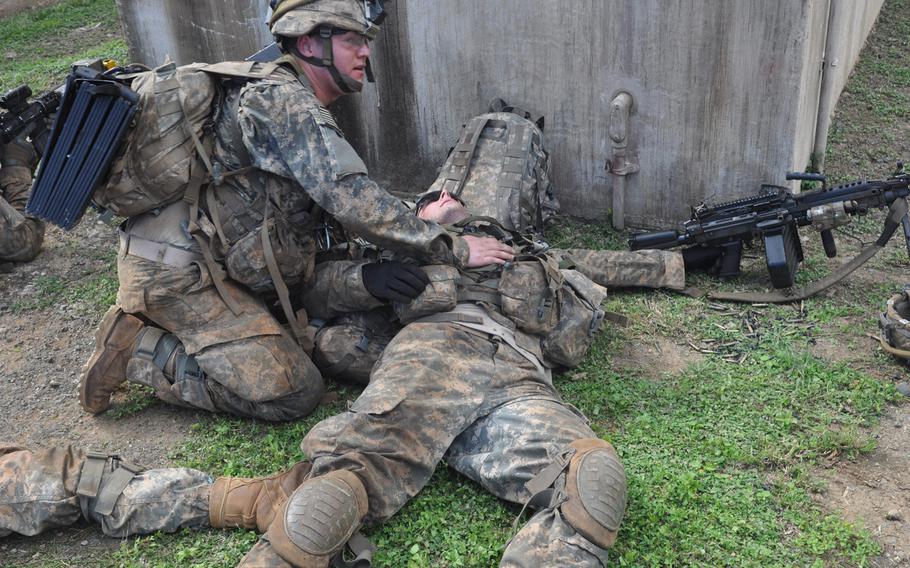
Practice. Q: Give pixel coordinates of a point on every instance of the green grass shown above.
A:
(40, 45)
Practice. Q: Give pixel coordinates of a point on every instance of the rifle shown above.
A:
(27, 117)
(774, 216)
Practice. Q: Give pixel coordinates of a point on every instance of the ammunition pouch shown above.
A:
(347, 347)
(529, 295)
(580, 317)
(440, 295)
(247, 263)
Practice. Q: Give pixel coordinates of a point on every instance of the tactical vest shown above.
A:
(500, 168)
(557, 305)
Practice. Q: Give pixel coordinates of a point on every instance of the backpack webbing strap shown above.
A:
(281, 288)
(462, 154)
(513, 167)
(215, 269)
(360, 548)
(895, 213)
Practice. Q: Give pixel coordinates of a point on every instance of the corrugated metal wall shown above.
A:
(726, 92)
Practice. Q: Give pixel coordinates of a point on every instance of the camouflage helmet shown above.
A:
(292, 19)
(295, 18)
(895, 325)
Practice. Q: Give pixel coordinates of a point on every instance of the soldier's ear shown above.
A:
(306, 45)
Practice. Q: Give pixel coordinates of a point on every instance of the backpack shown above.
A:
(132, 141)
(500, 169)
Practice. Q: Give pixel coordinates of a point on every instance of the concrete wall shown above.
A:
(198, 30)
(726, 91)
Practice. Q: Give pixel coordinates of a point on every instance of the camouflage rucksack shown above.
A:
(168, 144)
(500, 169)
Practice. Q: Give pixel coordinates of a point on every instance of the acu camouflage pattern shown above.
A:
(500, 167)
(294, 160)
(38, 493)
(252, 366)
(442, 391)
(622, 269)
(20, 236)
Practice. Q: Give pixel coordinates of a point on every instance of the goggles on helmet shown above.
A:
(374, 11)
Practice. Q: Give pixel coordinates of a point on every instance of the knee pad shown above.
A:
(595, 491)
(318, 519)
(101, 482)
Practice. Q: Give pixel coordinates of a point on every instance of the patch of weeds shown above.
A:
(568, 233)
(95, 292)
(48, 291)
(137, 398)
(188, 548)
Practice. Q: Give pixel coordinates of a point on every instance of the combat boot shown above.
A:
(105, 370)
(318, 519)
(252, 503)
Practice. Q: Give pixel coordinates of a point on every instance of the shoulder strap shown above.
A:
(462, 154)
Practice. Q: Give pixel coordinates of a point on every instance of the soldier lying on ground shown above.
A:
(209, 342)
(463, 384)
(20, 236)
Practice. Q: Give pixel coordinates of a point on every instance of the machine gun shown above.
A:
(774, 216)
(23, 116)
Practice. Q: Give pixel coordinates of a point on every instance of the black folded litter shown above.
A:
(90, 126)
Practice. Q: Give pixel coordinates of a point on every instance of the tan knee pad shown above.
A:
(318, 519)
(595, 491)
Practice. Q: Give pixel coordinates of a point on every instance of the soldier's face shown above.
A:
(442, 209)
(350, 52)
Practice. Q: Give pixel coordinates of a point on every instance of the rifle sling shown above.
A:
(897, 211)
(893, 350)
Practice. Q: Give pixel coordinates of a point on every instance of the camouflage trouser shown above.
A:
(38, 492)
(20, 236)
(252, 366)
(443, 391)
(619, 269)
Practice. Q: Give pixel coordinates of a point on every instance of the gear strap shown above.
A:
(93, 474)
(360, 548)
(896, 212)
(894, 350)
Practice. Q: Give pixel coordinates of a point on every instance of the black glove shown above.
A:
(19, 152)
(701, 258)
(394, 281)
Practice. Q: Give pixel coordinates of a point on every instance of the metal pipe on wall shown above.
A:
(620, 164)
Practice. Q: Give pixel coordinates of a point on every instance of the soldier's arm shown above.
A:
(617, 269)
(290, 136)
(336, 288)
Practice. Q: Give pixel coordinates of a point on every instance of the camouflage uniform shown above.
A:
(305, 170)
(38, 491)
(20, 236)
(480, 398)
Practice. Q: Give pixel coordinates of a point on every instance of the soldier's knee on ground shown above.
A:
(252, 503)
(318, 519)
(595, 491)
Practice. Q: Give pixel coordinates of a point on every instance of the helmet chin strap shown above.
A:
(345, 83)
